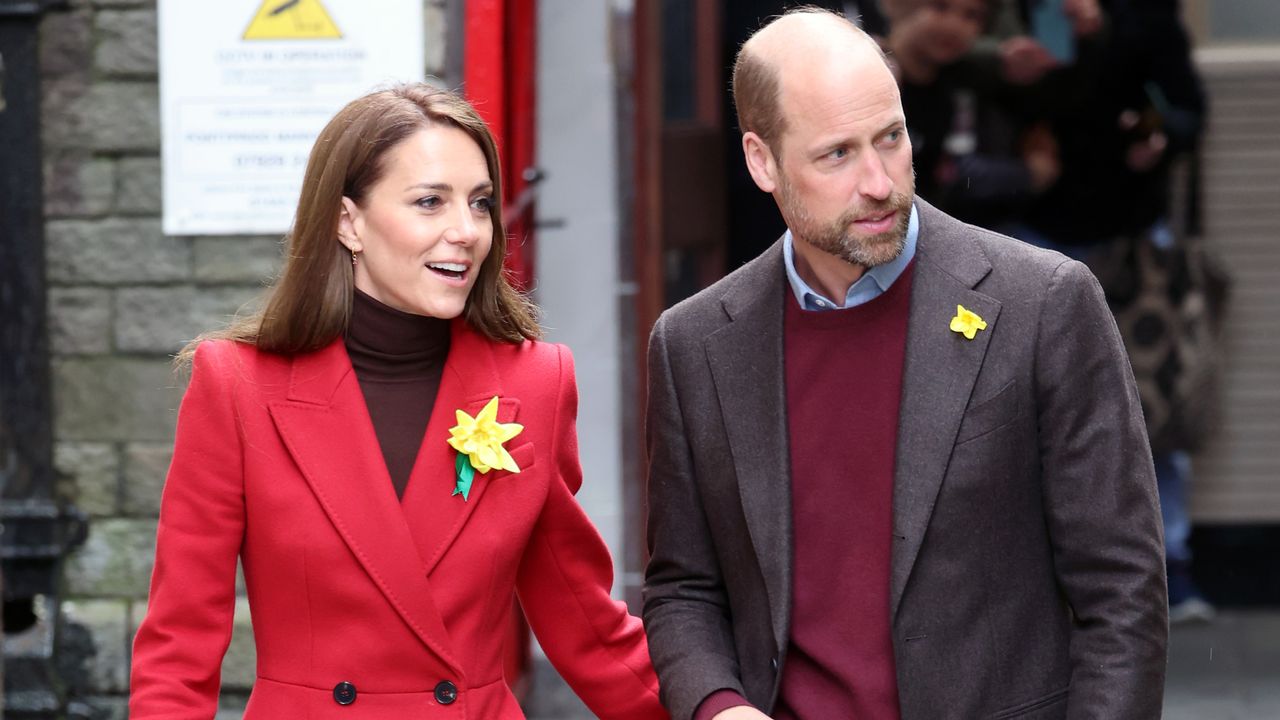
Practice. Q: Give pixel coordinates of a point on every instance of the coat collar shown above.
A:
(746, 358)
(326, 427)
(470, 380)
(939, 373)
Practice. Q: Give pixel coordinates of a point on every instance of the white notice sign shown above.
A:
(245, 87)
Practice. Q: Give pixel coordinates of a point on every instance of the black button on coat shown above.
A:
(446, 692)
(344, 693)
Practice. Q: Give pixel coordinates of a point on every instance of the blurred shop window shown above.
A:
(1244, 20)
(1234, 22)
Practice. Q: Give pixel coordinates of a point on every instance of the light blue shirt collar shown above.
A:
(870, 286)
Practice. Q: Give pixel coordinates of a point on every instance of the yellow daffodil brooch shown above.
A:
(478, 441)
(967, 322)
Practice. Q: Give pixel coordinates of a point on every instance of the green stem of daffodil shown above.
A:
(466, 474)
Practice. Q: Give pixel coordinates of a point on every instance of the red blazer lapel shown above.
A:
(326, 427)
(434, 515)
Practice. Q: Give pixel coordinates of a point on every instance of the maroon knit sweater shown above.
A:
(844, 384)
(398, 358)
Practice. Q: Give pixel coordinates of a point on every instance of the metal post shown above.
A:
(36, 532)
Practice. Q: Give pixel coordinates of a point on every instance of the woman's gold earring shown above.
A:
(355, 260)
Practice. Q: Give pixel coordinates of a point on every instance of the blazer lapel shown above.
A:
(470, 380)
(939, 375)
(746, 364)
(326, 427)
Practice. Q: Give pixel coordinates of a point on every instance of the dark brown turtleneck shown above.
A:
(398, 358)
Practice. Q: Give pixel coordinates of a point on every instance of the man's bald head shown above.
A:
(790, 45)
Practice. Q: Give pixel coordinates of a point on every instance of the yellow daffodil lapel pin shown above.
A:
(478, 441)
(967, 322)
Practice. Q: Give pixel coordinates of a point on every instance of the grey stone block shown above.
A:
(138, 186)
(137, 611)
(66, 44)
(104, 707)
(154, 319)
(231, 706)
(239, 664)
(237, 259)
(106, 399)
(90, 475)
(145, 466)
(114, 251)
(127, 116)
(105, 116)
(79, 320)
(126, 42)
(217, 306)
(115, 562)
(162, 320)
(107, 624)
(77, 185)
(61, 112)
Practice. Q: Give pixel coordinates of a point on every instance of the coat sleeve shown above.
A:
(178, 650)
(563, 586)
(1100, 503)
(686, 606)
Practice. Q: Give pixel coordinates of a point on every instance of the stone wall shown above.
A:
(123, 297)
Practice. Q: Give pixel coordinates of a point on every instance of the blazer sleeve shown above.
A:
(178, 650)
(686, 606)
(1101, 504)
(563, 586)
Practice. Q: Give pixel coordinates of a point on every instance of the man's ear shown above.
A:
(760, 162)
(349, 222)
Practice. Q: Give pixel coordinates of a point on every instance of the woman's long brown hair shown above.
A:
(309, 305)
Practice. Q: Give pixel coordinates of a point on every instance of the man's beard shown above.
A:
(838, 238)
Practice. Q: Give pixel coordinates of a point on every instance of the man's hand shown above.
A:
(1024, 61)
(1085, 15)
(1145, 152)
(741, 712)
(1144, 155)
(1040, 155)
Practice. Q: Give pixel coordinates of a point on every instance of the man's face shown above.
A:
(947, 29)
(844, 180)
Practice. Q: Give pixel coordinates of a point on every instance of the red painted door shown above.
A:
(499, 72)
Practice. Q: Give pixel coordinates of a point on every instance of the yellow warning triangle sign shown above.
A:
(291, 20)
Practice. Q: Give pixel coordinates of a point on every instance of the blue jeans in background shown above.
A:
(1173, 470)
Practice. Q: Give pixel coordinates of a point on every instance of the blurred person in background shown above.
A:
(1144, 113)
(968, 159)
(1018, 34)
(1094, 139)
(1144, 107)
(391, 453)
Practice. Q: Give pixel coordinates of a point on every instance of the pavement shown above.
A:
(1227, 669)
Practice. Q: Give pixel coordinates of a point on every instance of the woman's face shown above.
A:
(425, 228)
